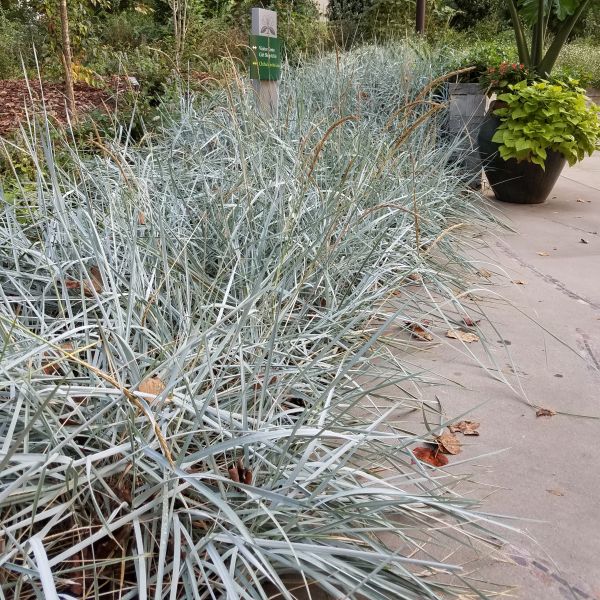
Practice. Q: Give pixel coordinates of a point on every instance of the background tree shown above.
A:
(67, 56)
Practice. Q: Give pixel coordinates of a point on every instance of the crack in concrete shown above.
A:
(587, 348)
(578, 182)
(559, 285)
(526, 560)
(572, 227)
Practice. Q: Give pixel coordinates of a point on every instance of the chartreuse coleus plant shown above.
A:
(543, 116)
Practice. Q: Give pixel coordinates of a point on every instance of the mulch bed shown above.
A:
(18, 98)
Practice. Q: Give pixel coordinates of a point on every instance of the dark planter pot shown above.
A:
(518, 182)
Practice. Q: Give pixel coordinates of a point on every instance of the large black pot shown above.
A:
(519, 182)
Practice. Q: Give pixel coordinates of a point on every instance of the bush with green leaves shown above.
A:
(581, 60)
(465, 50)
(13, 45)
(543, 116)
(202, 395)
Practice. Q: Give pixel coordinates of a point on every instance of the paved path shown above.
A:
(549, 351)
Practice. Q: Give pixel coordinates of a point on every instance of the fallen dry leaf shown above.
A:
(555, 492)
(415, 277)
(141, 218)
(152, 385)
(465, 427)
(543, 253)
(465, 336)
(583, 241)
(430, 455)
(88, 290)
(470, 322)
(484, 273)
(582, 200)
(239, 474)
(448, 443)
(545, 412)
(420, 333)
(519, 282)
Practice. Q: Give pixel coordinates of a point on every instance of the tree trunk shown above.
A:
(420, 16)
(66, 56)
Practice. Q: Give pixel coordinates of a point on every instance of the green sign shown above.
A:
(265, 58)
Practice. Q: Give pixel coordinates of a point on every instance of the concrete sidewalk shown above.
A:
(548, 348)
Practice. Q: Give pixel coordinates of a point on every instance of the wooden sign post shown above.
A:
(265, 60)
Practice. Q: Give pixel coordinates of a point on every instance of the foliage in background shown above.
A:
(580, 60)
(541, 116)
(477, 14)
(199, 397)
(541, 53)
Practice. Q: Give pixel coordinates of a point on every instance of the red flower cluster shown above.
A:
(495, 79)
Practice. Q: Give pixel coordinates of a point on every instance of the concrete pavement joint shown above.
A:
(572, 227)
(588, 349)
(579, 182)
(548, 278)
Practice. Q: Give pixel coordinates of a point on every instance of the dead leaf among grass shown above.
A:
(419, 330)
(545, 412)
(95, 277)
(152, 385)
(465, 427)
(430, 455)
(484, 273)
(239, 473)
(448, 443)
(464, 336)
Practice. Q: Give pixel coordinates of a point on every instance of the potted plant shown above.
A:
(540, 123)
(536, 127)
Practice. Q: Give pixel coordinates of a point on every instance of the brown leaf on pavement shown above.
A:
(430, 455)
(465, 427)
(555, 492)
(420, 333)
(464, 336)
(545, 412)
(448, 443)
(470, 322)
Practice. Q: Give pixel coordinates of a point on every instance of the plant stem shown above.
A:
(524, 56)
(545, 67)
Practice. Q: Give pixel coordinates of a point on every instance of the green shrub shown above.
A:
(544, 116)
(581, 60)
(470, 14)
(130, 29)
(464, 51)
(13, 44)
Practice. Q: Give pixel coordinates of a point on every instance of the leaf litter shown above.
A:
(463, 336)
(465, 427)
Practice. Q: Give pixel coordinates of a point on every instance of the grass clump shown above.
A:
(198, 397)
